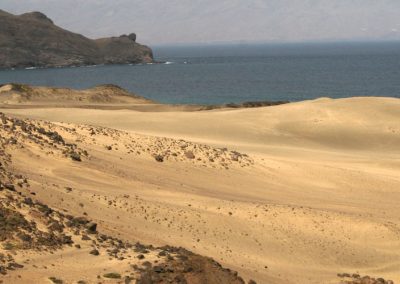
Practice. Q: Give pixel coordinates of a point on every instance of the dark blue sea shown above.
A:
(236, 73)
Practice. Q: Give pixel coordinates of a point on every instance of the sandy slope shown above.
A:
(317, 195)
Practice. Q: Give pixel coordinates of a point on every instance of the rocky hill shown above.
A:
(19, 94)
(33, 40)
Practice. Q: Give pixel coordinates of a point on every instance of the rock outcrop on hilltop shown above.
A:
(33, 40)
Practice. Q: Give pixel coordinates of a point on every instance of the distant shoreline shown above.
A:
(114, 97)
(80, 66)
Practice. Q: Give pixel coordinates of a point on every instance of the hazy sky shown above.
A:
(189, 21)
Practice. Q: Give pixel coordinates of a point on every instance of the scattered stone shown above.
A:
(112, 275)
(56, 280)
(158, 269)
(159, 158)
(9, 186)
(86, 238)
(75, 157)
(94, 252)
(91, 228)
(190, 155)
(357, 279)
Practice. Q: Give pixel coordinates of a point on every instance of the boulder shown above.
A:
(91, 227)
(190, 155)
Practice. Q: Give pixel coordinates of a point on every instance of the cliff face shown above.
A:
(32, 40)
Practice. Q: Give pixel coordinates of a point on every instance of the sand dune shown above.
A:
(304, 191)
(346, 124)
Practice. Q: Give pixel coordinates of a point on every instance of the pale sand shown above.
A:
(322, 196)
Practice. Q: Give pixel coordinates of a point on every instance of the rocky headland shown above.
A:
(33, 40)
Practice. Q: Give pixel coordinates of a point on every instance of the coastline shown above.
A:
(25, 96)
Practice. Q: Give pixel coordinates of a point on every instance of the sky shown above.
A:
(222, 21)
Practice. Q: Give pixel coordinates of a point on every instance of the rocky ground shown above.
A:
(159, 148)
(357, 279)
(28, 227)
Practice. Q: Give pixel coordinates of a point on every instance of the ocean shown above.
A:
(217, 74)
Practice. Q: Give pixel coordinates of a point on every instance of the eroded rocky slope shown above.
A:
(28, 227)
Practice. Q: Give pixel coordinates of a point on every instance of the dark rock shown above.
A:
(85, 238)
(24, 237)
(91, 227)
(9, 186)
(66, 240)
(46, 210)
(187, 267)
(235, 156)
(28, 201)
(94, 252)
(158, 269)
(251, 104)
(56, 137)
(55, 226)
(79, 220)
(75, 157)
(346, 275)
(190, 155)
(56, 280)
(112, 275)
(147, 264)
(14, 265)
(159, 158)
(162, 253)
